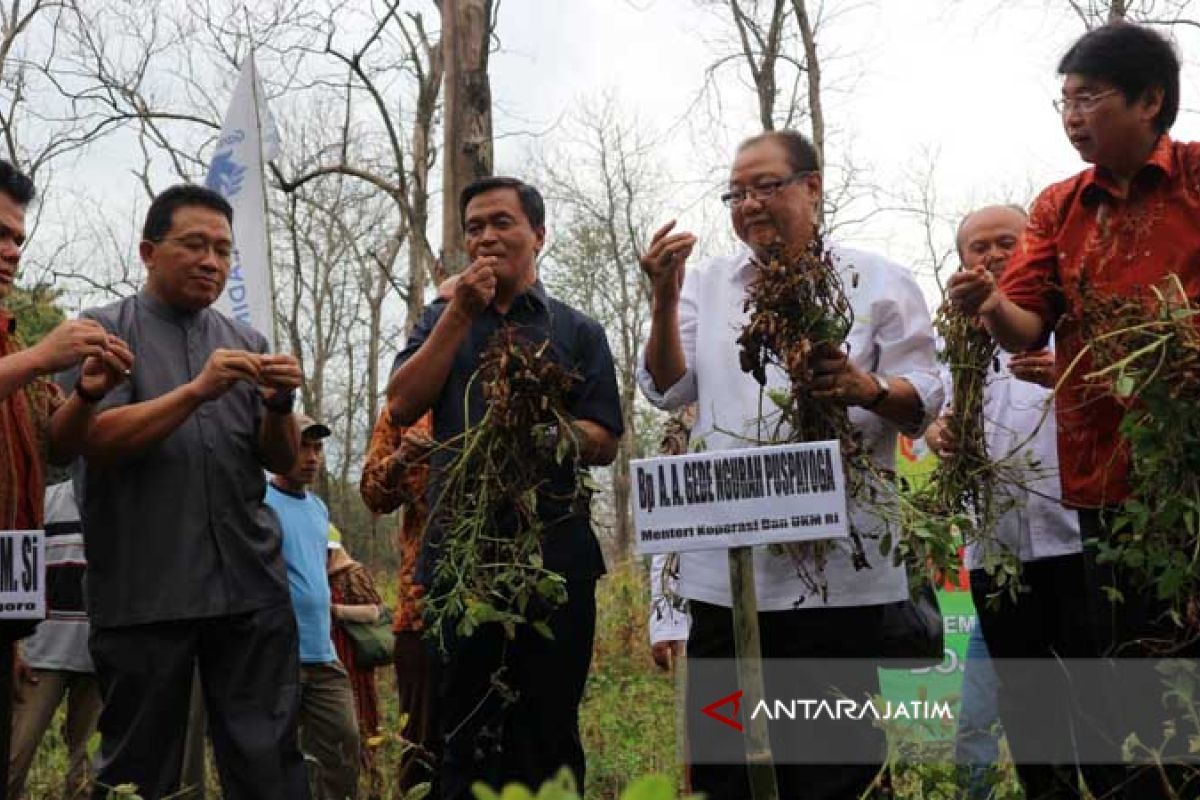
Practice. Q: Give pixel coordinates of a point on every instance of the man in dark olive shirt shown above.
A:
(504, 222)
(184, 558)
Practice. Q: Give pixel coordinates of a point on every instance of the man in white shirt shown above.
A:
(1049, 619)
(888, 379)
(668, 624)
(54, 664)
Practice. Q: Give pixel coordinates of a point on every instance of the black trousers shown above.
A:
(249, 666)
(526, 727)
(415, 661)
(1044, 712)
(1138, 627)
(825, 633)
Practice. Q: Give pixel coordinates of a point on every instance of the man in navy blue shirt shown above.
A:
(504, 223)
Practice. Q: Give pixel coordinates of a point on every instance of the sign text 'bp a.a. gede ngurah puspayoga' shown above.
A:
(731, 498)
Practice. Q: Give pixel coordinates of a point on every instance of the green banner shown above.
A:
(915, 462)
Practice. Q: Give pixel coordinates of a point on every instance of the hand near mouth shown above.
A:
(476, 287)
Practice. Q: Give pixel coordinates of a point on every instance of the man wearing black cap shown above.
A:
(328, 731)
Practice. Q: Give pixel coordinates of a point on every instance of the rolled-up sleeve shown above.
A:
(907, 348)
(1031, 280)
(684, 390)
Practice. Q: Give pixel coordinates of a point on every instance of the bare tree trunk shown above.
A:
(758, 45)
(812, 64)
(466, 30)
(1118, 10)
(621, 480)
(375, 335)
(420, 253)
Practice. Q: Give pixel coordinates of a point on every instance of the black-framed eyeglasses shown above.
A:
(762, 190)
(199, 245)
(1084, 102)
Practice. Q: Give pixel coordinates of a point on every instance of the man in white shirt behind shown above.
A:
(1048, 619)
(886, 375)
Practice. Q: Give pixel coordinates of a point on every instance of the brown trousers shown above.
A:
(328, 729)
(34, 705)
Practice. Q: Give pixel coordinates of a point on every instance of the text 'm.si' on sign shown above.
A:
(22, 575)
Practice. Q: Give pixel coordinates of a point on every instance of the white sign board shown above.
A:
(22, 575)
(734, 498)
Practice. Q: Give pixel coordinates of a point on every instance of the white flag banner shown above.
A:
(236, 172)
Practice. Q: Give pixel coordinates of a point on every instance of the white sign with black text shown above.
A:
(734, 498)
(22, 575)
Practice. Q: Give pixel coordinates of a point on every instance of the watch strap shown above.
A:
(85, 395)
(881, 395)
(283, 403)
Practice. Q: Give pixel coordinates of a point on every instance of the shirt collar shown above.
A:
(302, 495)
(1161, 159)
(535, 295)
(744, 265)
(167, 312)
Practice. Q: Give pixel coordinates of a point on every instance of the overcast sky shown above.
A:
(970, 81)
(965, 85)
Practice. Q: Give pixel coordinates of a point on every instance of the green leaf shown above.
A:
(516, 792)
(564, 449)
(781, 398)
(650, 787)
(422, 790)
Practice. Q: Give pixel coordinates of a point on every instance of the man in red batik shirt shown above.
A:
(1115, 229)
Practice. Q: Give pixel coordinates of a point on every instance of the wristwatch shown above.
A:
(85, 395)
(282, 403)
(881, 395)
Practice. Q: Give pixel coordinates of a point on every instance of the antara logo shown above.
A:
(736, 700)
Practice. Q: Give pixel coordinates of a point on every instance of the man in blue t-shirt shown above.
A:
(328, 731)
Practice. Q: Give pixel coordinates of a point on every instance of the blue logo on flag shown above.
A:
(225, 175)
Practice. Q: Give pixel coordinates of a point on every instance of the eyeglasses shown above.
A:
(762, 190)
(1084, 103)
(199, 246)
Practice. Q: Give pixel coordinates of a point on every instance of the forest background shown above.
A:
(624, 112)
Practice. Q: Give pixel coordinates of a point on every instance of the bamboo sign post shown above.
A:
(759, 762)
(736, 500)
